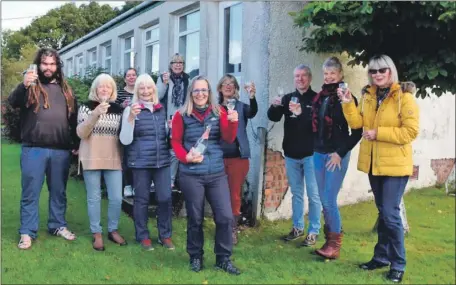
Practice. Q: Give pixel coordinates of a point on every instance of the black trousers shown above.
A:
(213, 187)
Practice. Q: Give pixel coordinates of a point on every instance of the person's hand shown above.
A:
(29, 77)
(333, 162)
(295, 108)
(194, 157)
(135, 109)
(75, 151)
(232, 115)
(252, 90)
(126, 103)
(101, 109)
(346, 96)
(165, 77)
(170, 124)
(277, 101)
(370, 135)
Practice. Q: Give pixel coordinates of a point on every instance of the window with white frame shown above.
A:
(106, 55)
(231, 38)
(151, 47)
(69, 67)
(128, 52)
(79, 70)
(92, 57)
(189, 41)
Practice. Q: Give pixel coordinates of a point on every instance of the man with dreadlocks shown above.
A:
(48, 133)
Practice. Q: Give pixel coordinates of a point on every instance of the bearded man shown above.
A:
(48, 113)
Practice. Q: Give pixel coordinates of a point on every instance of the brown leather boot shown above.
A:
(97, 242)
(332, 251)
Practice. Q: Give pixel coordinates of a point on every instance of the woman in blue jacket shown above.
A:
(144, 133)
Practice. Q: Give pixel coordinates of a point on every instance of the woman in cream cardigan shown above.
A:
(99, 155)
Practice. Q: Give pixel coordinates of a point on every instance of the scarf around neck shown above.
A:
(177, 94)
(327, 94)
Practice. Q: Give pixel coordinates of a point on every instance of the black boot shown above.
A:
(227, 266)
(196, 263)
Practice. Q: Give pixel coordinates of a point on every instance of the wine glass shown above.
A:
(343, 86)
(34, 69)
(231, 104)
(294, 100)
(280, 93)
(248, 86)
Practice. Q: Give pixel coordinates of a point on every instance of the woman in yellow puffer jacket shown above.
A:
(389, 115)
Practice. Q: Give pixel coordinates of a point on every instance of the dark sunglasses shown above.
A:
(381, 70)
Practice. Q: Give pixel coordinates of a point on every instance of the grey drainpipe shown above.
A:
(107, 25)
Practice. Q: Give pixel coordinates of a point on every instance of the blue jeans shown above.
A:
(297, 171)
(329, 184)
(142, 178)
(113, 180)
(174, 166)
(36, 163)
(388, 193)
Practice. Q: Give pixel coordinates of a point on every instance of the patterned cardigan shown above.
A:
(100, 146)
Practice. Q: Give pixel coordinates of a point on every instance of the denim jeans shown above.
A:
(113, 180)
(297, 171)
(37, 163)
(329, 184)
(388, 193)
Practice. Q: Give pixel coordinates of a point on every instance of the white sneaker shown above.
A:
(128, 191)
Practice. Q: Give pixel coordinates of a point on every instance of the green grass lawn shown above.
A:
(261, 255)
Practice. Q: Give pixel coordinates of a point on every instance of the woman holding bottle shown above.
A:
(202, 174)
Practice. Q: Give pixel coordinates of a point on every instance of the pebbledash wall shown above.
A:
(269, 52)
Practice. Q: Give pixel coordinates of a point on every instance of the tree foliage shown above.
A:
(420, 37)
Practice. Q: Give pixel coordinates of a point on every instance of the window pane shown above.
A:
(148, 34)
(149, 58)
(94, 56)
(233, 39)
(127, 43)
(108, 51)
(108, 65)
(155, 35)
(189, 22)
(189, 47)
(155, 57)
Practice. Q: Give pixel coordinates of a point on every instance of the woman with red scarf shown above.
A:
(332, 147)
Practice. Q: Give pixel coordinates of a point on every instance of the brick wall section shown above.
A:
(276, 183)
(442, 168)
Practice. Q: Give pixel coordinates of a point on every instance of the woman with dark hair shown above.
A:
(236, 155)
(202, 172)
(333, 144)
(124, 97)
(390, 117)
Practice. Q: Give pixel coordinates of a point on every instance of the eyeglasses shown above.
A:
(228, 84)
(177, 62)
(381, 70)
(197, 91)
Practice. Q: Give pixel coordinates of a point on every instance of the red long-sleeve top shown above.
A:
(228, 131)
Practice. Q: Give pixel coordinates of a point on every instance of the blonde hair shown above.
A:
(102, 78)
(383, 61)
(147, 80)
(187, 108)
(219, 87)
(333, 62)
(176, 57)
